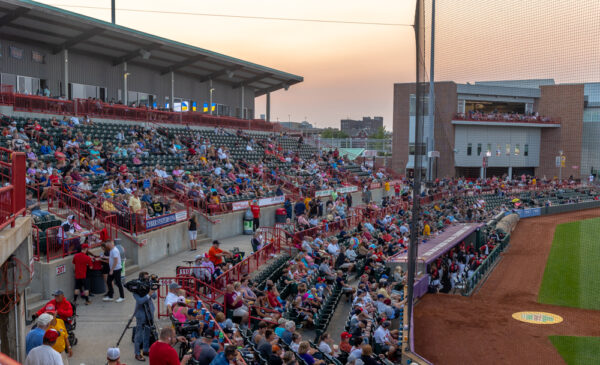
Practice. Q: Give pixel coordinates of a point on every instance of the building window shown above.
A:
(461, 106)
(508, 149)
(526, 150)
(498, 150)
(478, 149)
(469, 148)
(517, 149)
(489, 149)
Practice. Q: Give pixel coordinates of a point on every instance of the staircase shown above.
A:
(35, 301)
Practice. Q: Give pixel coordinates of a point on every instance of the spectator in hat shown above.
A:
(216, 254)
(202, 350)
(62, 345)
(59, 304)
(345, 342)
(82, 261)
(35, 337)
(113, 354)
(45, 354)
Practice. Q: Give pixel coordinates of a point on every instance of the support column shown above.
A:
(172, 101)
(509, 172)
(481, 172)
(210, 91)
(66, 75)
(243, 116)
(268, 107)
(125, 88)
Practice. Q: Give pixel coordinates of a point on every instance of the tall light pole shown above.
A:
(431, 106)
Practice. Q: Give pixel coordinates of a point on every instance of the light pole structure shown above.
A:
(210, 105)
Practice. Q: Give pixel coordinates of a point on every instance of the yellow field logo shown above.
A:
(537, 317)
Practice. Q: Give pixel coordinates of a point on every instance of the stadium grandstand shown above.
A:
(123, 154)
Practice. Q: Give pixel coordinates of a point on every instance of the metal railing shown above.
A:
(485, 266)
(12, 192)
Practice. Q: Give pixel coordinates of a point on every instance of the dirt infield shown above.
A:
(451, 329)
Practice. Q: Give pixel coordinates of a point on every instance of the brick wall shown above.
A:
(563, 103)
(446, 99)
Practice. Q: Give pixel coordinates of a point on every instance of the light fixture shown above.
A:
(145, 54)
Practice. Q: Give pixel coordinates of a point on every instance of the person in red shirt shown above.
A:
(59, 304)
(82, 261)
(345, 344)
(215, 254)
(255, 215)
(162, 351)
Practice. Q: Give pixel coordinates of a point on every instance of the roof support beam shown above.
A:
(181, 64)
(12, 15)
(134, 54)
(77, 39)
(251, 80)
(221, 72)
(283, 85)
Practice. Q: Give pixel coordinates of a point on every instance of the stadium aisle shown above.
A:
(100, 324)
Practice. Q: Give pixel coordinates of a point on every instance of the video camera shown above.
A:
(142, 287)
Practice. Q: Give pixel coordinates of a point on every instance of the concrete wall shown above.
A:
(15, 241)
(231, 224)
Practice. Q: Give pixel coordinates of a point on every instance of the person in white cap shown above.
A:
(35, 337)
(113, 355)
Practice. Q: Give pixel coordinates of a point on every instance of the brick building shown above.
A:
(367, 124)
(521, 126)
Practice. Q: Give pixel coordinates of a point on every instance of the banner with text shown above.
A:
(342, 190)
(262, 202)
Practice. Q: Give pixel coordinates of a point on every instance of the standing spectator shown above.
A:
(35, 337)
(193, 232)
(62, 345)
(114, 262)
(81, 261)
(144, 318)
(45, 354)
(162, 351)
(255, 208)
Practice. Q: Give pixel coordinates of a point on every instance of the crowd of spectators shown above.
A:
(502, 116)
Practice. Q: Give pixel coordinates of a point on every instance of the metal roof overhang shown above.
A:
(39, 24)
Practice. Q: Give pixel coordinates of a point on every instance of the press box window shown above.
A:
(469, 148)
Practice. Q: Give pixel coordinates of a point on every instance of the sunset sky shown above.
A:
(350, 69)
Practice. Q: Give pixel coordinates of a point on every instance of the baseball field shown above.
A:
(540, 272)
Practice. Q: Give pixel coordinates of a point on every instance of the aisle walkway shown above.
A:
(100, 324)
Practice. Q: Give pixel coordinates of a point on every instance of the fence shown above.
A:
(192, 286)
(54, 243)
(485, 266)
(99, 109)
(12, 193)
(275, 238)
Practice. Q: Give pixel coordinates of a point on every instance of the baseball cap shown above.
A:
(198, 257)
(113, 354)
(58, 292)
(84, 246)
(44, 319)
(380, 296)
(345, 335)
(174, 286)
(51, 335)
(50, 308)
(386, 324)
(209, 333)
(181, 300)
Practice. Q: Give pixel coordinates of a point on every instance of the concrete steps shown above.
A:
(35, 301)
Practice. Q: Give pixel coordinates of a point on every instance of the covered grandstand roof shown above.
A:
(47, 26)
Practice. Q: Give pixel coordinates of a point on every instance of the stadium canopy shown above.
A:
(46, 26)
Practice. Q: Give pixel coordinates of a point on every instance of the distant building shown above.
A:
(516, 126)
(304, 127)
(367, 124)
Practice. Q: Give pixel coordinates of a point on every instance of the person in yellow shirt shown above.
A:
(108, 206)
(134, 202)
(62, 342)
(386, 187)
(426, 230)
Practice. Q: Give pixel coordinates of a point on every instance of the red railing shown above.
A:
(276, 243)
(504, 117)
(54, 243)
(192, 286)
(12, 196)
(99, 109)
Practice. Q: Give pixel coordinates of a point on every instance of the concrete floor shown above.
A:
(100, 324)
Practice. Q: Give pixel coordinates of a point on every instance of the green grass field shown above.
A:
(577, 350)
(572, 275)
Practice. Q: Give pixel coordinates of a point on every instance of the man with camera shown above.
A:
(144, 314)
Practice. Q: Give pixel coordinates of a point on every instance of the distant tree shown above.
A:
(380, 134)
(333, 133)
